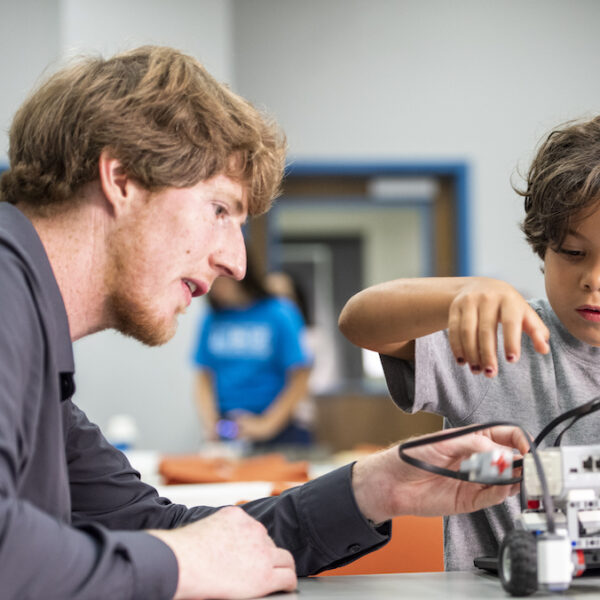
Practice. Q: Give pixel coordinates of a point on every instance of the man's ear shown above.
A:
(118, 187)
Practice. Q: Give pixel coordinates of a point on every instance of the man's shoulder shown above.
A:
(19, 242)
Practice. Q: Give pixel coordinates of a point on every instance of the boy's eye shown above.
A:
(571, 253)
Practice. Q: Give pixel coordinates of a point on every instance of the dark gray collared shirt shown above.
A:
(71, 507)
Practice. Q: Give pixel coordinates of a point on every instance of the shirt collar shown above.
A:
(18, 230)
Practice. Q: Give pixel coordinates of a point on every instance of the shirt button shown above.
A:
(353, 548)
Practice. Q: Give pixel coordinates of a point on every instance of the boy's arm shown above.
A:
(388, 317)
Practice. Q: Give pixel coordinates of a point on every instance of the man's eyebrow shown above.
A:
(576, 234)
(233, 199)
(238, 205)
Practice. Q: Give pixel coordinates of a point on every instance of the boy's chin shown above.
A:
(584, 335)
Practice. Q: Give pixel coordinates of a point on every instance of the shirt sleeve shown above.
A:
(107, 490)
(434, 382)
(292, 350)
(318, 522)
(201, 357)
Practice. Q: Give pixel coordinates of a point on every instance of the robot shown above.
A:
(557, 534)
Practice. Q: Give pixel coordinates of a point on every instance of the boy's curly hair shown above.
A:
(158, 111)
(563, 183)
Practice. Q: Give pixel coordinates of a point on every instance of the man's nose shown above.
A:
(230, 258)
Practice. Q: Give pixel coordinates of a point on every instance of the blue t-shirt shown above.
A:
(250, 350)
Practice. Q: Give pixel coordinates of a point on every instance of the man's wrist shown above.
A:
(371, 486)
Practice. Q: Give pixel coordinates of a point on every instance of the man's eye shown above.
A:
(220, 210)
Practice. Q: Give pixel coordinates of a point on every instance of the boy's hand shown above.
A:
(473, 320)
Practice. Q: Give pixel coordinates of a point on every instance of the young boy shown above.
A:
(443, 352)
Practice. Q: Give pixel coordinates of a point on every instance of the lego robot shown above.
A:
(557, 535)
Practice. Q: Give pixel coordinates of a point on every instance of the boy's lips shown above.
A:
(589, 312)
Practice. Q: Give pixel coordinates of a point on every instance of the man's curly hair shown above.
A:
(158, 111)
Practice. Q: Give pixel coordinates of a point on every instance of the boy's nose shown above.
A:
(591, 277)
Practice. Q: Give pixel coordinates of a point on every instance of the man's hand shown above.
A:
(473, 319)
(228, 555)
(385, 486)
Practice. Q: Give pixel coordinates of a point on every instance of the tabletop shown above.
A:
(412, 586)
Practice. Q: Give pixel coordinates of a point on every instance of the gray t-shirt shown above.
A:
(531, 392)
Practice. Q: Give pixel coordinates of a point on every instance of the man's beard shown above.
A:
(131, 316)
(129, 311)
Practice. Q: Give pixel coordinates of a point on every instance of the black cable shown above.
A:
(415, 462)
(559, 437)
(579, 411)
(433, 439)
(574, 414)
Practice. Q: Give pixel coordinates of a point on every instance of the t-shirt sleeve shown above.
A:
(201, 356)
(434, 382)
(291, 348)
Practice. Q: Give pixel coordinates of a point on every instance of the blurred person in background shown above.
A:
(252, 364)
(285, 285)
(320, 329)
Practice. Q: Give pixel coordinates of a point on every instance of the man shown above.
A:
(129, 182)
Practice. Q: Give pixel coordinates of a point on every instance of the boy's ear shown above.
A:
(118, 187)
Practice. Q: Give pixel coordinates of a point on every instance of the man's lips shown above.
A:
(196, 287)
(589, 312)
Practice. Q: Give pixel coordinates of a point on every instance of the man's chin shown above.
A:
(148, 333)
(141, 321)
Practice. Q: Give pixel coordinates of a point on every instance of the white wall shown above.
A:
(29, 43)
(474, 80)
(478, 80)
(199, 27)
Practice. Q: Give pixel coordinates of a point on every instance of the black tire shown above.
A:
(517, 563)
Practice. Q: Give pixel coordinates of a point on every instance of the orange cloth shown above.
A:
(192, 468)
(416, 546)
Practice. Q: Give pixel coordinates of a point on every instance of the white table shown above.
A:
(418, 586)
